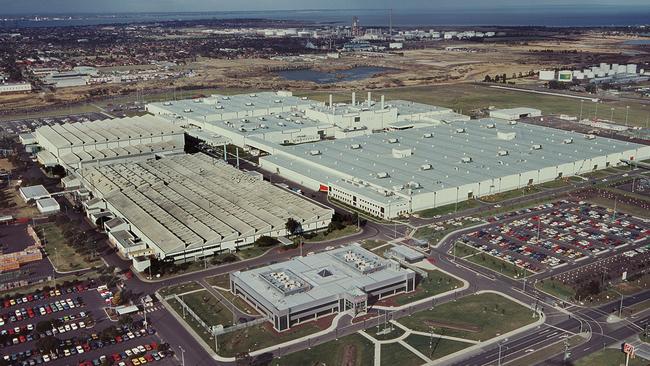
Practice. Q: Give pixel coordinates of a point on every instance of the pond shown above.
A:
(323, 77)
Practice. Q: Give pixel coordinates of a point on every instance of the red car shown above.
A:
(148, 357)
(116, 357)
(118, 339)
(22, 339)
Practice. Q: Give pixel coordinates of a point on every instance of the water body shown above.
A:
(321, 77)
(638, 42)
(542, 15)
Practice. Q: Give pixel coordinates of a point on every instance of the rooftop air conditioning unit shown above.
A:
(167, 103)
(567, 141)
(198, 101)
(466, 160)
(253, 95)
(218, 107)
(263, 126)
(460, 130)
(187, 110)
(382, 175)
(277, 101)
(502, 152)
(427, 135)
(281, 124)
(314, 152)
(513, 122)
(225, 98)
(393, 141)
(355, 146)
(249, 104)
(426, 167)
(262, 118)
(590, 137)
(245, 120)
(537, 147)
(491, 125)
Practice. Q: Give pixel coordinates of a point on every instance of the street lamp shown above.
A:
(182, 355)
(627, 112)
(501, 344)
(620, 308)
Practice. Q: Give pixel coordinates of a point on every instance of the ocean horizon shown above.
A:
(549, 16)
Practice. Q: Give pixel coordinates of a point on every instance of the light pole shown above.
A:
(144, 311)
(182, 355)
(581, 103)
(611, 117)
(627, 112)
(620, 307)
(501, 344)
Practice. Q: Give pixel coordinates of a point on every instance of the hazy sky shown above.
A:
(97, 6)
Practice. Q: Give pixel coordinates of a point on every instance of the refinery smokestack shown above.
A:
(369, 98)
(382, 102)
(354, 98)
(331, 101)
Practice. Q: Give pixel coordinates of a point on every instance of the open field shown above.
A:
(609, 357)
(393, 354)
(239, 302)
(372, 244)
(180, 288)
(556, 288)
(447, 209)
(499, 197)
(209, 308)
(435, 348)
(12, 204)
(61, 254)
(262, 335)
(476, 317)
(435, 284)
(630, 209)
(349, 350)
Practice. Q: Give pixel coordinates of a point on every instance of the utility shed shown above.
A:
(512, 114)
(405, 253)
(48, 206)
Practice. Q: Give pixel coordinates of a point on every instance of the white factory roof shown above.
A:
(34, 192)
(442, 150)
(286, 122)
(320, 276)
(183, 202)
(88, 155)
(113, 130)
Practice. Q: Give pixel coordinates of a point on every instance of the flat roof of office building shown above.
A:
(303, 280)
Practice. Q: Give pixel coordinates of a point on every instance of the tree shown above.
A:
(487, 79)
(266, 241)
(293, 227)
(48, 344)
(126, 320)
(243, 359)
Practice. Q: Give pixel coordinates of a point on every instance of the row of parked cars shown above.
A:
(73, 346)
(135, 356)
(40, 295)
(27, 333)
(32, 312)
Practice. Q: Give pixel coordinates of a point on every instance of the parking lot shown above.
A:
(68, 326)
(554, 234)
(639, 185)
(16, 127)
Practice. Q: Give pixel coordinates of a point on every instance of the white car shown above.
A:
(74, 326)
(82, 325)
(80, 349)
(46, 358)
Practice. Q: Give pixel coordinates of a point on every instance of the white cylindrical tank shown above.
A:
(631, 68)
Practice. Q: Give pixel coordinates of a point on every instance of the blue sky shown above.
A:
(96, 6)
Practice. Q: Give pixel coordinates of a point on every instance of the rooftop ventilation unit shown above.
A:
(314, 152)
(502, 153)
(198, 100)
(393, 141)
(187, 110)
(414, 185)
(225, 98)
(355, 146)
(590, 137)
(427, 135)
(512, 123)
(277, 101)
(250, 104)
(245, 120)
(263, 126)
(262, 118)
(218, 107)
(490, 125)
(426, 167)
(460, 130)
(567, 141)
(167, 103)
(466, 160)
(537, 147)
(282, 124)
(252, 95)
(382, 175)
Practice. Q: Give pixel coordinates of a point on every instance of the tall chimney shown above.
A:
(354, 99)
(369, 98)
(382, 102)
(331, 101)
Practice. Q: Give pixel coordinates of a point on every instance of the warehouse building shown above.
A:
(78, 145)
(15, 87)
(307, 288)
(191, 206)
(513, 114)
(395, 173)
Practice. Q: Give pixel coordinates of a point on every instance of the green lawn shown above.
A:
(462, 250)
(209, 308)
(515, 193)
(446, 209)
(434, 348)
(260, 336)
(433, 236)
(498, 265)
(394, 333)
(394, 354)
(64, 257)
(222, 281)
(556, 288)
(180, 288)
(557, 183)
(609, 357)
(476, 317)
(336, 234)
(252, 252)
(372, 244)
(239, 302)
(352, 350)
(435, 284)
